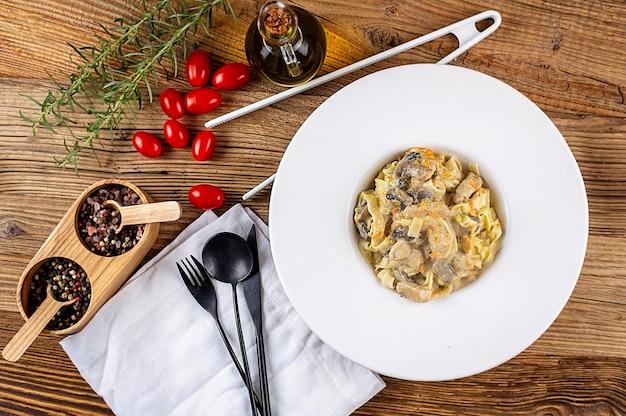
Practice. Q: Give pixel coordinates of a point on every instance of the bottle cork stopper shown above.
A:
(278, 22)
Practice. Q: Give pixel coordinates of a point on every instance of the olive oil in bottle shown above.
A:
(286, 45)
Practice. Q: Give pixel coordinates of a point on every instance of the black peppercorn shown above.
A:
(67, 281)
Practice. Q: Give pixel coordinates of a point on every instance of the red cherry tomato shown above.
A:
(198, 69)
(147, 144)
(202, 100)
(231, 76)
(203, 145)
(172, 103)
(206, 196)
(175, 133)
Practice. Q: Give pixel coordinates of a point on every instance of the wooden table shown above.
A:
(566, 56)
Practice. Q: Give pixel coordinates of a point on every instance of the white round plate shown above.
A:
(536, 184)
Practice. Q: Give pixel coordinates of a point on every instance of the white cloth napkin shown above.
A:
(153, 350)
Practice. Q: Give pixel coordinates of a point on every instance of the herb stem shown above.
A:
(111, 75)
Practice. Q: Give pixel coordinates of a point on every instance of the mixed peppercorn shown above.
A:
(68, 281)
(98, 223)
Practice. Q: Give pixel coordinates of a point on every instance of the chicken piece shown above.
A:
(406, 257)
(467, 188)
(441, 240)
(414, 292)
(451, 175)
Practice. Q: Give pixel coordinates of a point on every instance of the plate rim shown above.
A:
(277, 191)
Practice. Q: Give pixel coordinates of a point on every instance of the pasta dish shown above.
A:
(428, 226)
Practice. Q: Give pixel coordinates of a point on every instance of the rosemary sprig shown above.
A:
(108, 79)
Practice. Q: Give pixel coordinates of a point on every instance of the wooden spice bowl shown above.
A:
(105, 274)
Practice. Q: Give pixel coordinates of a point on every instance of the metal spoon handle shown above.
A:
(235, 360)
(242, 346)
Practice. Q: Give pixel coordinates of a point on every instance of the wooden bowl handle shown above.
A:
(146, 213)
(33, 327)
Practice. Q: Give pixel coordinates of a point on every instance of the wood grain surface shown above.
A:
(566, 56)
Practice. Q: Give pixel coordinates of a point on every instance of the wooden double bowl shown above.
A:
(96, 274)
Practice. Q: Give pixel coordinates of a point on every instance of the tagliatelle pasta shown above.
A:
(428, 226)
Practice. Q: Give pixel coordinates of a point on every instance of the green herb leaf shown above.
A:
(108, 77)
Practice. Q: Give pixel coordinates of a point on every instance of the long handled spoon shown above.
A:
(464, 30)
(146, 213)
(33, 326)
(228, 258)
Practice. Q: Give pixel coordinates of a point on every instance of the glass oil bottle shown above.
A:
(286, 45)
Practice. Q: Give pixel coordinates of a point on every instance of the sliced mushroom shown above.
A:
(421, 194)
(400, 233)
(362, 219)
(411, 166)
(400, 196)
(444, 272)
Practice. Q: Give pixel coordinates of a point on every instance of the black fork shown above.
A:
(198, 282)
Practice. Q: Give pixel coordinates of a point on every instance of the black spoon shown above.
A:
(228, 258)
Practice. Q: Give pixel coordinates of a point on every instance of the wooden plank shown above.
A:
(564, 56)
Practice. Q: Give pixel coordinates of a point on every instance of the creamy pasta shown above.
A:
(428, 226)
